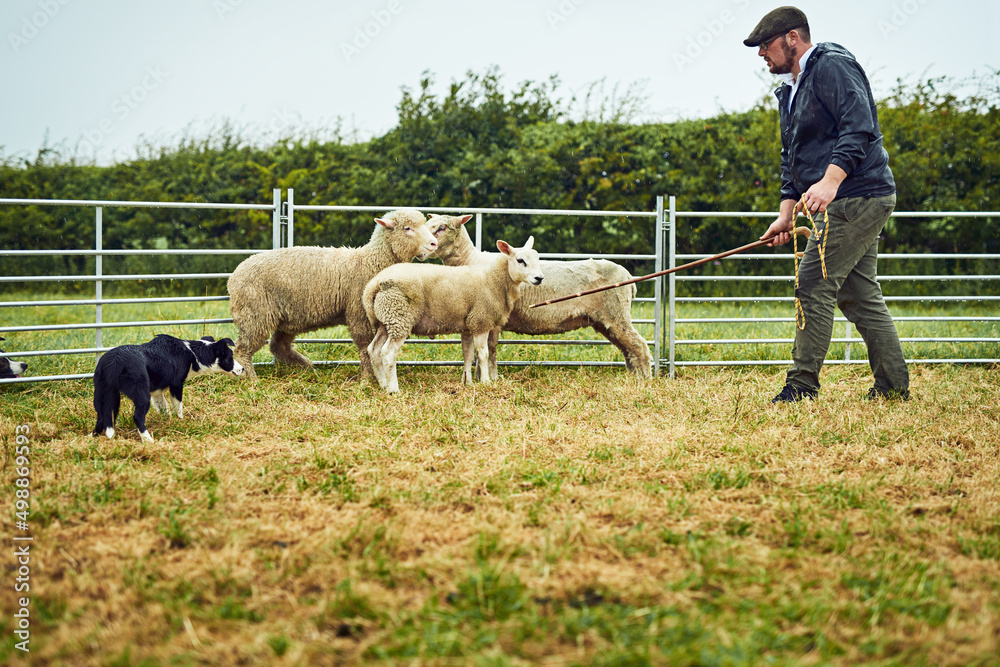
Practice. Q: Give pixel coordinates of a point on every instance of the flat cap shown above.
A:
(776, 22)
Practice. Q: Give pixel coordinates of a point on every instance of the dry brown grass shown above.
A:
(559, 516)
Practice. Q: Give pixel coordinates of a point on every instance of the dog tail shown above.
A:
(107, 400)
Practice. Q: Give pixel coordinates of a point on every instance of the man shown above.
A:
(832, 161)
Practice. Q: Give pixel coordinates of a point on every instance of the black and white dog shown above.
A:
(11, 369)
(143, 372)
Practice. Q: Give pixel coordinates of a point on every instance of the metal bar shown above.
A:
(849, 340)
(451, 341)
(46, 378)
(55, 353)
(912, 255)
(756, 320)
(109, 302)
(658, 230)
(831, 362)
(672, 286)
(150, 276)
(98, 269)
(500, 211)
(479, 231)
(133, 204)
(276, 219)
(880, 278)
(110, 325)
(584, 255)
(755, 299)
(895, 214)
(142, 251)
(945, 214)
(290, 237)
(522, 364)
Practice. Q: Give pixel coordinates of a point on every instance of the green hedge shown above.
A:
(486, 146)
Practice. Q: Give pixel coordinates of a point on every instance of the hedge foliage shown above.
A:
(483, 145)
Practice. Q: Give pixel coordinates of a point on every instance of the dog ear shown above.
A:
(227, 341)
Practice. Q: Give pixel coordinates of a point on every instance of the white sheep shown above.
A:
(431, 299)
(608, 312)
(285, 292)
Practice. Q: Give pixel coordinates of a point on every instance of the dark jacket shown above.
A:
(833, 120)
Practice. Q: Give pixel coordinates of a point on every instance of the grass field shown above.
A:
(559, 516)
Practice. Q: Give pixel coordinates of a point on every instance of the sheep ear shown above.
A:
(432, 215)
(529, 243)
(462, 220)
(504, 247)
(388, 224)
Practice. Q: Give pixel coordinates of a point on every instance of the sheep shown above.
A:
(608, 312)
(431, 299)
(285, 292)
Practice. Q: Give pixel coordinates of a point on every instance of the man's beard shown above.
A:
(789, 53)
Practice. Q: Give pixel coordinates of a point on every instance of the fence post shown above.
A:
(276, 219)
(658, 288)
(98, 271)
(290, 237)
(672, 284)
(479, 231)
(847, 347)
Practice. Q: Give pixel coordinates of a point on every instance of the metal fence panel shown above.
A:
(848, 339)
(99, 276)
(665, 322)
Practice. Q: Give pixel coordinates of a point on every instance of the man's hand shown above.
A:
(822, 192)
(781, 228)
(781, 231)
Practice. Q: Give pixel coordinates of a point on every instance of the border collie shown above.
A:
(11, 369)
(143, 372)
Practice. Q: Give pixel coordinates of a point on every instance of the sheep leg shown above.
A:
(632, 346)
(493, 341)
(281, 348)
(467, 354)
(365, 369)
(247, 343)
(392, 348)
(481, 341)
(376, 351)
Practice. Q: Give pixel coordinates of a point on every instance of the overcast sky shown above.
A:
(98, 76)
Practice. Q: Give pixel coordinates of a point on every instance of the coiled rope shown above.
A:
(821, 237)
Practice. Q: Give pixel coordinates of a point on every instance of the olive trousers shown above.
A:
(851, 249)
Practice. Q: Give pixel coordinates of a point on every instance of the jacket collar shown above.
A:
(803, 66)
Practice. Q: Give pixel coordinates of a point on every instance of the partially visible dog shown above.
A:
(11, 369)
(143, 372)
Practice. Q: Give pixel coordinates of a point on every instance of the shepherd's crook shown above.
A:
(798, 230)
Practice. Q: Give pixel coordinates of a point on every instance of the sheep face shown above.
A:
(523, 264)
(409, 232)
(448, 230)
